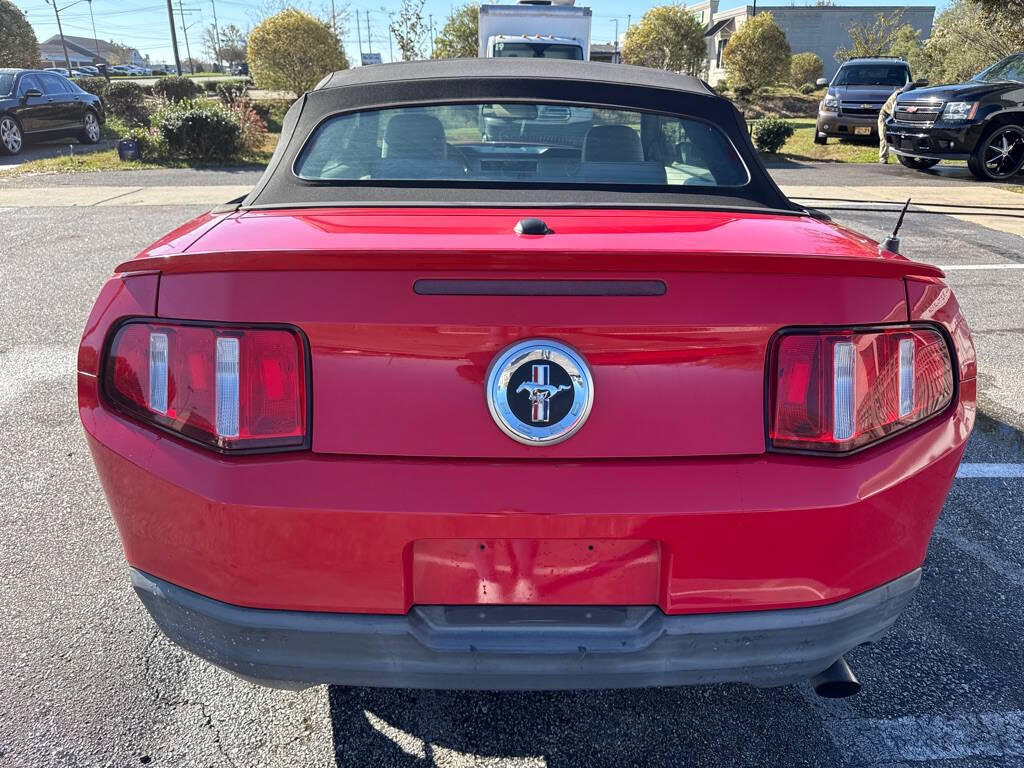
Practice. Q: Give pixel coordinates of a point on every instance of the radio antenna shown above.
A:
(892, 242)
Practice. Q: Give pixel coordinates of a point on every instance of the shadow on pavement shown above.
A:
(646, 727)
(951, 661)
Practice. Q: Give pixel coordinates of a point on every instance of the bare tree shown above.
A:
(410, 29)
(119, 53)
(230, 48)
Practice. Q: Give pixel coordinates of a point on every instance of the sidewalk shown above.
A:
(1001, 200)
(60, 197)
(1009, 204)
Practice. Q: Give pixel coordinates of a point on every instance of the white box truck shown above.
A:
(538, 29)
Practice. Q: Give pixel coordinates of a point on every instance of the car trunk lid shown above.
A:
(405, 311)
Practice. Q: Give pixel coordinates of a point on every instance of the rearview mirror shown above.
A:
(510, 111)
(920, 83)
(32, 93)
(820, 82)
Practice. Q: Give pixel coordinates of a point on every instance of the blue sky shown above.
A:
(143, 24)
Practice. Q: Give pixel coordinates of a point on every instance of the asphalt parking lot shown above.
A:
(88, 681)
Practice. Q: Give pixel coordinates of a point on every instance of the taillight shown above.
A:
(838, 390)
(231, 388)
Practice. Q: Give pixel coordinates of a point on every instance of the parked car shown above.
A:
(36, 104)
(424, 409)
(855, 96)
(120, 69)
(981, 121)
(240, 69)
(89, 70)
(58, 71)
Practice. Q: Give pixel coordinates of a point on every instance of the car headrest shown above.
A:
(414, 136)
(612, 144)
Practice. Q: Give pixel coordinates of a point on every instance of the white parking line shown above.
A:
(981, 469)
(965, 267)
(1009, 571)
(26, 366)
(444, 756)
(916, 738)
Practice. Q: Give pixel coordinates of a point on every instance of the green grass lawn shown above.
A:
(108, 160)
(801, 146)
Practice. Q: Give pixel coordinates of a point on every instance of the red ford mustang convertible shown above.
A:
(516, 374)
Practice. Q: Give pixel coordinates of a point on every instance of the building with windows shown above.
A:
(607, 52)
(820, 29)
(85, 50)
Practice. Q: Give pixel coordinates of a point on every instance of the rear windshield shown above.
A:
(537, 51)
(873, 74)
(523, 143)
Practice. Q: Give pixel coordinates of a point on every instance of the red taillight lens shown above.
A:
(840, 390)
(231, 388)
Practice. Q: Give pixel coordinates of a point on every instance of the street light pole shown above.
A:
(63, 44)
(174, 37)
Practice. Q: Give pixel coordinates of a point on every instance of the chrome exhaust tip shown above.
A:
(836, 682)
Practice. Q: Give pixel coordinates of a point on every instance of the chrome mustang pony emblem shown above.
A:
(526, 392)
(541, 391)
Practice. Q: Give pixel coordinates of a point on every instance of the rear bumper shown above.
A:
(309, 532)
(521, 648)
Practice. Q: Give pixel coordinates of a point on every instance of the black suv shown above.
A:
(981, 121)
(45, 105)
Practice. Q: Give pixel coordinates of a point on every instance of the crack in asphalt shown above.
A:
(167, 700)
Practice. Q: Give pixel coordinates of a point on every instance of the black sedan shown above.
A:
(981, 121)
(38, 105)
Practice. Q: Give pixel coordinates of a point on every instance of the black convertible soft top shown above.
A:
(387, 86)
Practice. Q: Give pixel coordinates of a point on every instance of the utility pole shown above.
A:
(359, 36)
(431, 18)
(369, 41)
(95, 40)
(616, 35)
(174, 37)
(63, 44)
(184, 29)
(216, 32)
(334, 20)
